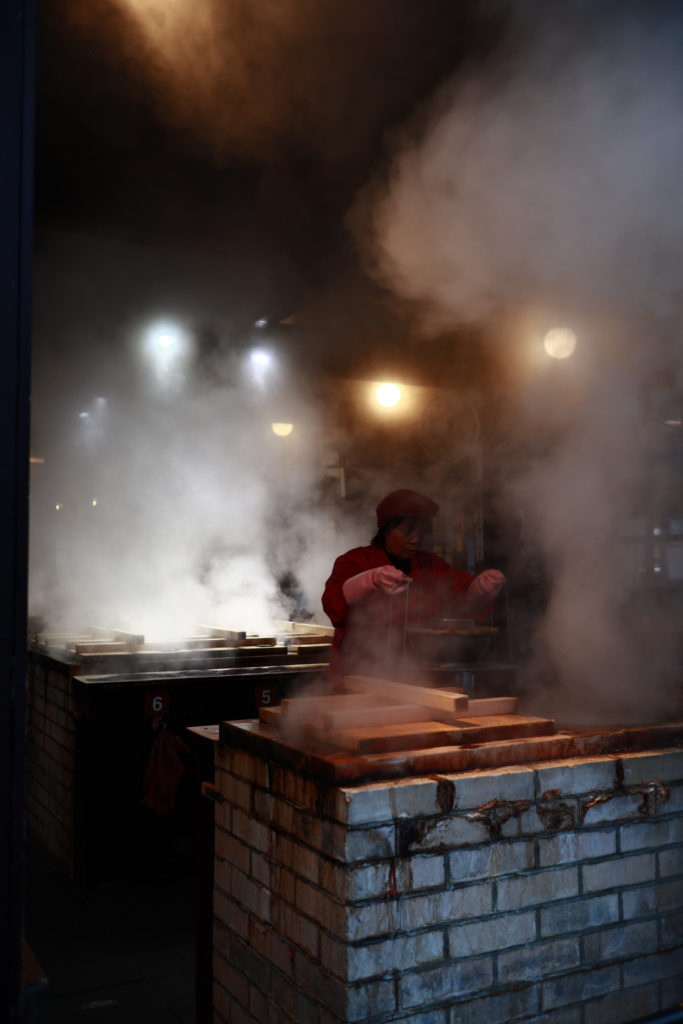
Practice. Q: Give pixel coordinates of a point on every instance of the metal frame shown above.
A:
(17, 49)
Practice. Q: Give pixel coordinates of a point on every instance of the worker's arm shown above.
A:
(354, 579)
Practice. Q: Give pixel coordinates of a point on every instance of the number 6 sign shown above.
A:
(157, 703)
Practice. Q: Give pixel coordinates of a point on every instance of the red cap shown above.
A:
(402, 504)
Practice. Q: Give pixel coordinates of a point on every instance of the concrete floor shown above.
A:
(122, 953)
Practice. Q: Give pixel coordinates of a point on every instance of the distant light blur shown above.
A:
(388, 395)
(166, 348)
(260, 367)
(282, 429)
(560, 342)
(260, 359)
(164, 337)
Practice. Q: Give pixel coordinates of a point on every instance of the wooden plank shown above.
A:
(314, 628)
(103, 633)
(356, 717)
(492, 706)
(131, 638)
(303, 639)
(307, 653)
(207, 642)
(205, 732)
(229, 634)
(382, 738)
(378, 740)
(102, 647)
(405, 693)
(311, 707)
(489, 728)
(271, 716)
(493, 720)
(344, 768)
(59, 640)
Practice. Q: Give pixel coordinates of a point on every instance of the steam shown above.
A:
(551, 175)
(545, 187)
(178, 505)
(259, 80)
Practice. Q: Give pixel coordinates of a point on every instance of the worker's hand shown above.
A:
(384, 578)
(486, 586)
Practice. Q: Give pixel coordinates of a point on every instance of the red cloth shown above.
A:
(370, 637)
(164, 772)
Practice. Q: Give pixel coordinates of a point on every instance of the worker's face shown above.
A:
(405, 539)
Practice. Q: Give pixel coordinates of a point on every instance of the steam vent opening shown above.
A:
(354, 644)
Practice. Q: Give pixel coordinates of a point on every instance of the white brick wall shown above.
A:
(543, 894)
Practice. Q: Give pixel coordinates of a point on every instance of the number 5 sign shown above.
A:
(267, 696)
(157, 703)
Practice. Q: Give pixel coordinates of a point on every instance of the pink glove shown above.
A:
(384, 578)
(486, 586)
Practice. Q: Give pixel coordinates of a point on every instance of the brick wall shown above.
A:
(546, 893)
(50, 754)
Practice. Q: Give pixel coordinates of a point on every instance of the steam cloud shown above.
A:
(542, 181)
(546, 185)
(200, 508)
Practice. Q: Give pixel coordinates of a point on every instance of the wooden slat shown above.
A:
(60, 639)
(405, 693)
(102, 647)
(349, 769)
(103, 633)
(492, 706)
(304, 639)
(271, 716)
(379, 739)
(310, 628)
(376, 739)
(208, 642)
(489, 728)
(229, 634)
(371, 716)
(311, 707)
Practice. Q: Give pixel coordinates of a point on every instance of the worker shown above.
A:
(377, 592)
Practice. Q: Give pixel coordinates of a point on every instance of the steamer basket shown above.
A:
(449, 641)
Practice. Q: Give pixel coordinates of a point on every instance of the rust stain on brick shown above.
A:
(595, 800)
(411, 833)
(619, 774)
(653, 795)
(392, 888)
(555, 813)
(495, 813)
(445, 794)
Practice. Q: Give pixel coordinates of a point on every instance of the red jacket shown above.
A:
(373, 634)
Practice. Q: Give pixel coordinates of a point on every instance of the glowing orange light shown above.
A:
(388, 395)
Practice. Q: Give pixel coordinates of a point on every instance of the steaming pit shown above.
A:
(506, 877)
(95, 702)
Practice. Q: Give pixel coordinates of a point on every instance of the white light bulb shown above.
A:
(260, 358)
